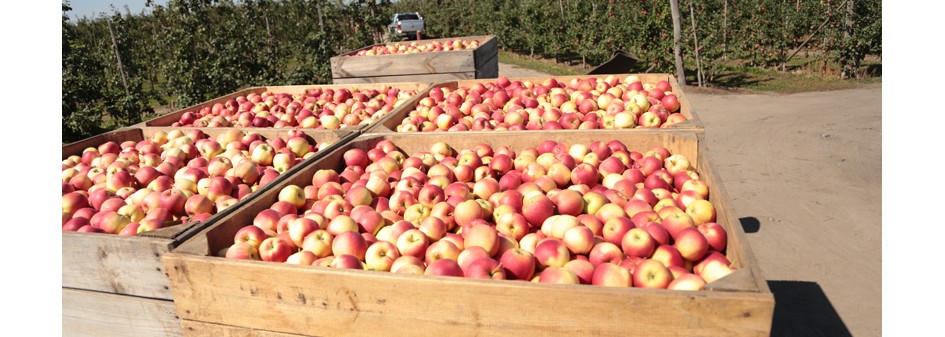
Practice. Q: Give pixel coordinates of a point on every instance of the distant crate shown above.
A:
(481, 62)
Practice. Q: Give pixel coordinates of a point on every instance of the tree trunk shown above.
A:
(321, 21)
(695, 39)
(849, 67)
(121, 68)
(725, 30)
(677, 50)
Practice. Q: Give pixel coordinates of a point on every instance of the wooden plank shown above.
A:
(94, 314)
(331, 302)
(314, 300)
(486, 51)
(440, 77)
(203, 329)
(118, 136)
(116, 264)
(403, 64)
(489, 68)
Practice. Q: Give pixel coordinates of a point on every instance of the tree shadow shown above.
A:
(750, 224)
(732, 79)
(802, 309)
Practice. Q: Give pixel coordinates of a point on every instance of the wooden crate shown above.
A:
(217, 296)
(481, 62)
(116, 285)
(389, 123)
(168, 119)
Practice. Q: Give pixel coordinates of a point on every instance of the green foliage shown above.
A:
(755, 33)
(189, 51)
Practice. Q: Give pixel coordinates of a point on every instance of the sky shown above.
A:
(92, 8)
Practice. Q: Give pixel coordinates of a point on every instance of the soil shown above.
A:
(805, 175)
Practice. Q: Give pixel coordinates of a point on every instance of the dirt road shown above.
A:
(805, 173)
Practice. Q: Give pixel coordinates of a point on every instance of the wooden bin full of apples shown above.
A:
(482, 234)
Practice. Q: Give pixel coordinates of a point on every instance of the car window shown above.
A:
(408, 17)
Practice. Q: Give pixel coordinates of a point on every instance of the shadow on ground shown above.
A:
(750, 224)
(736, 80)
(802, 309)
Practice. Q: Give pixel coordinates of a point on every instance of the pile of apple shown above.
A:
(318, 108)
(504, 105)
(171, 178)
(418, 47)
(593, 213)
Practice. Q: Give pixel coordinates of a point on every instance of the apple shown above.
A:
(552, 252)
(243, 251)
(275, 249)
(485, 268)
(687, 282)
(651, 274)
(691, 244)
(346, 261)
(412, 243)
(350, 243)
(558, 276)
(715, 235)
(380, 256)
(484, 236)
(518, 263)
(611, 275)
(605, 252)
(444, 267)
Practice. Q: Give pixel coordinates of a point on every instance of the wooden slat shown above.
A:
(485, 52)
(118, 136)
(203, 329)
(439, 77)
(330, 302)
(115, 264)
(94, 314)
(489, 68)
(403, 64)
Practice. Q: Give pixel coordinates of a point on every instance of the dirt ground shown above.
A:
(805, 175)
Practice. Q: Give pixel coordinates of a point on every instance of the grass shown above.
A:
(769, 80)
(539, 64)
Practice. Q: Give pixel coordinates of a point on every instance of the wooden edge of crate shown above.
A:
(744, 257)
(404, 64)
(432, 78)
(118, 264)
(168, 119)
(354, 51)
(486, 52)
(204, 329)
(363, 302)
(489, 68)
(118, 136)
(92, 313)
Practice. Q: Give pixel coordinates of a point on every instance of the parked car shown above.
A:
(406, 24)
